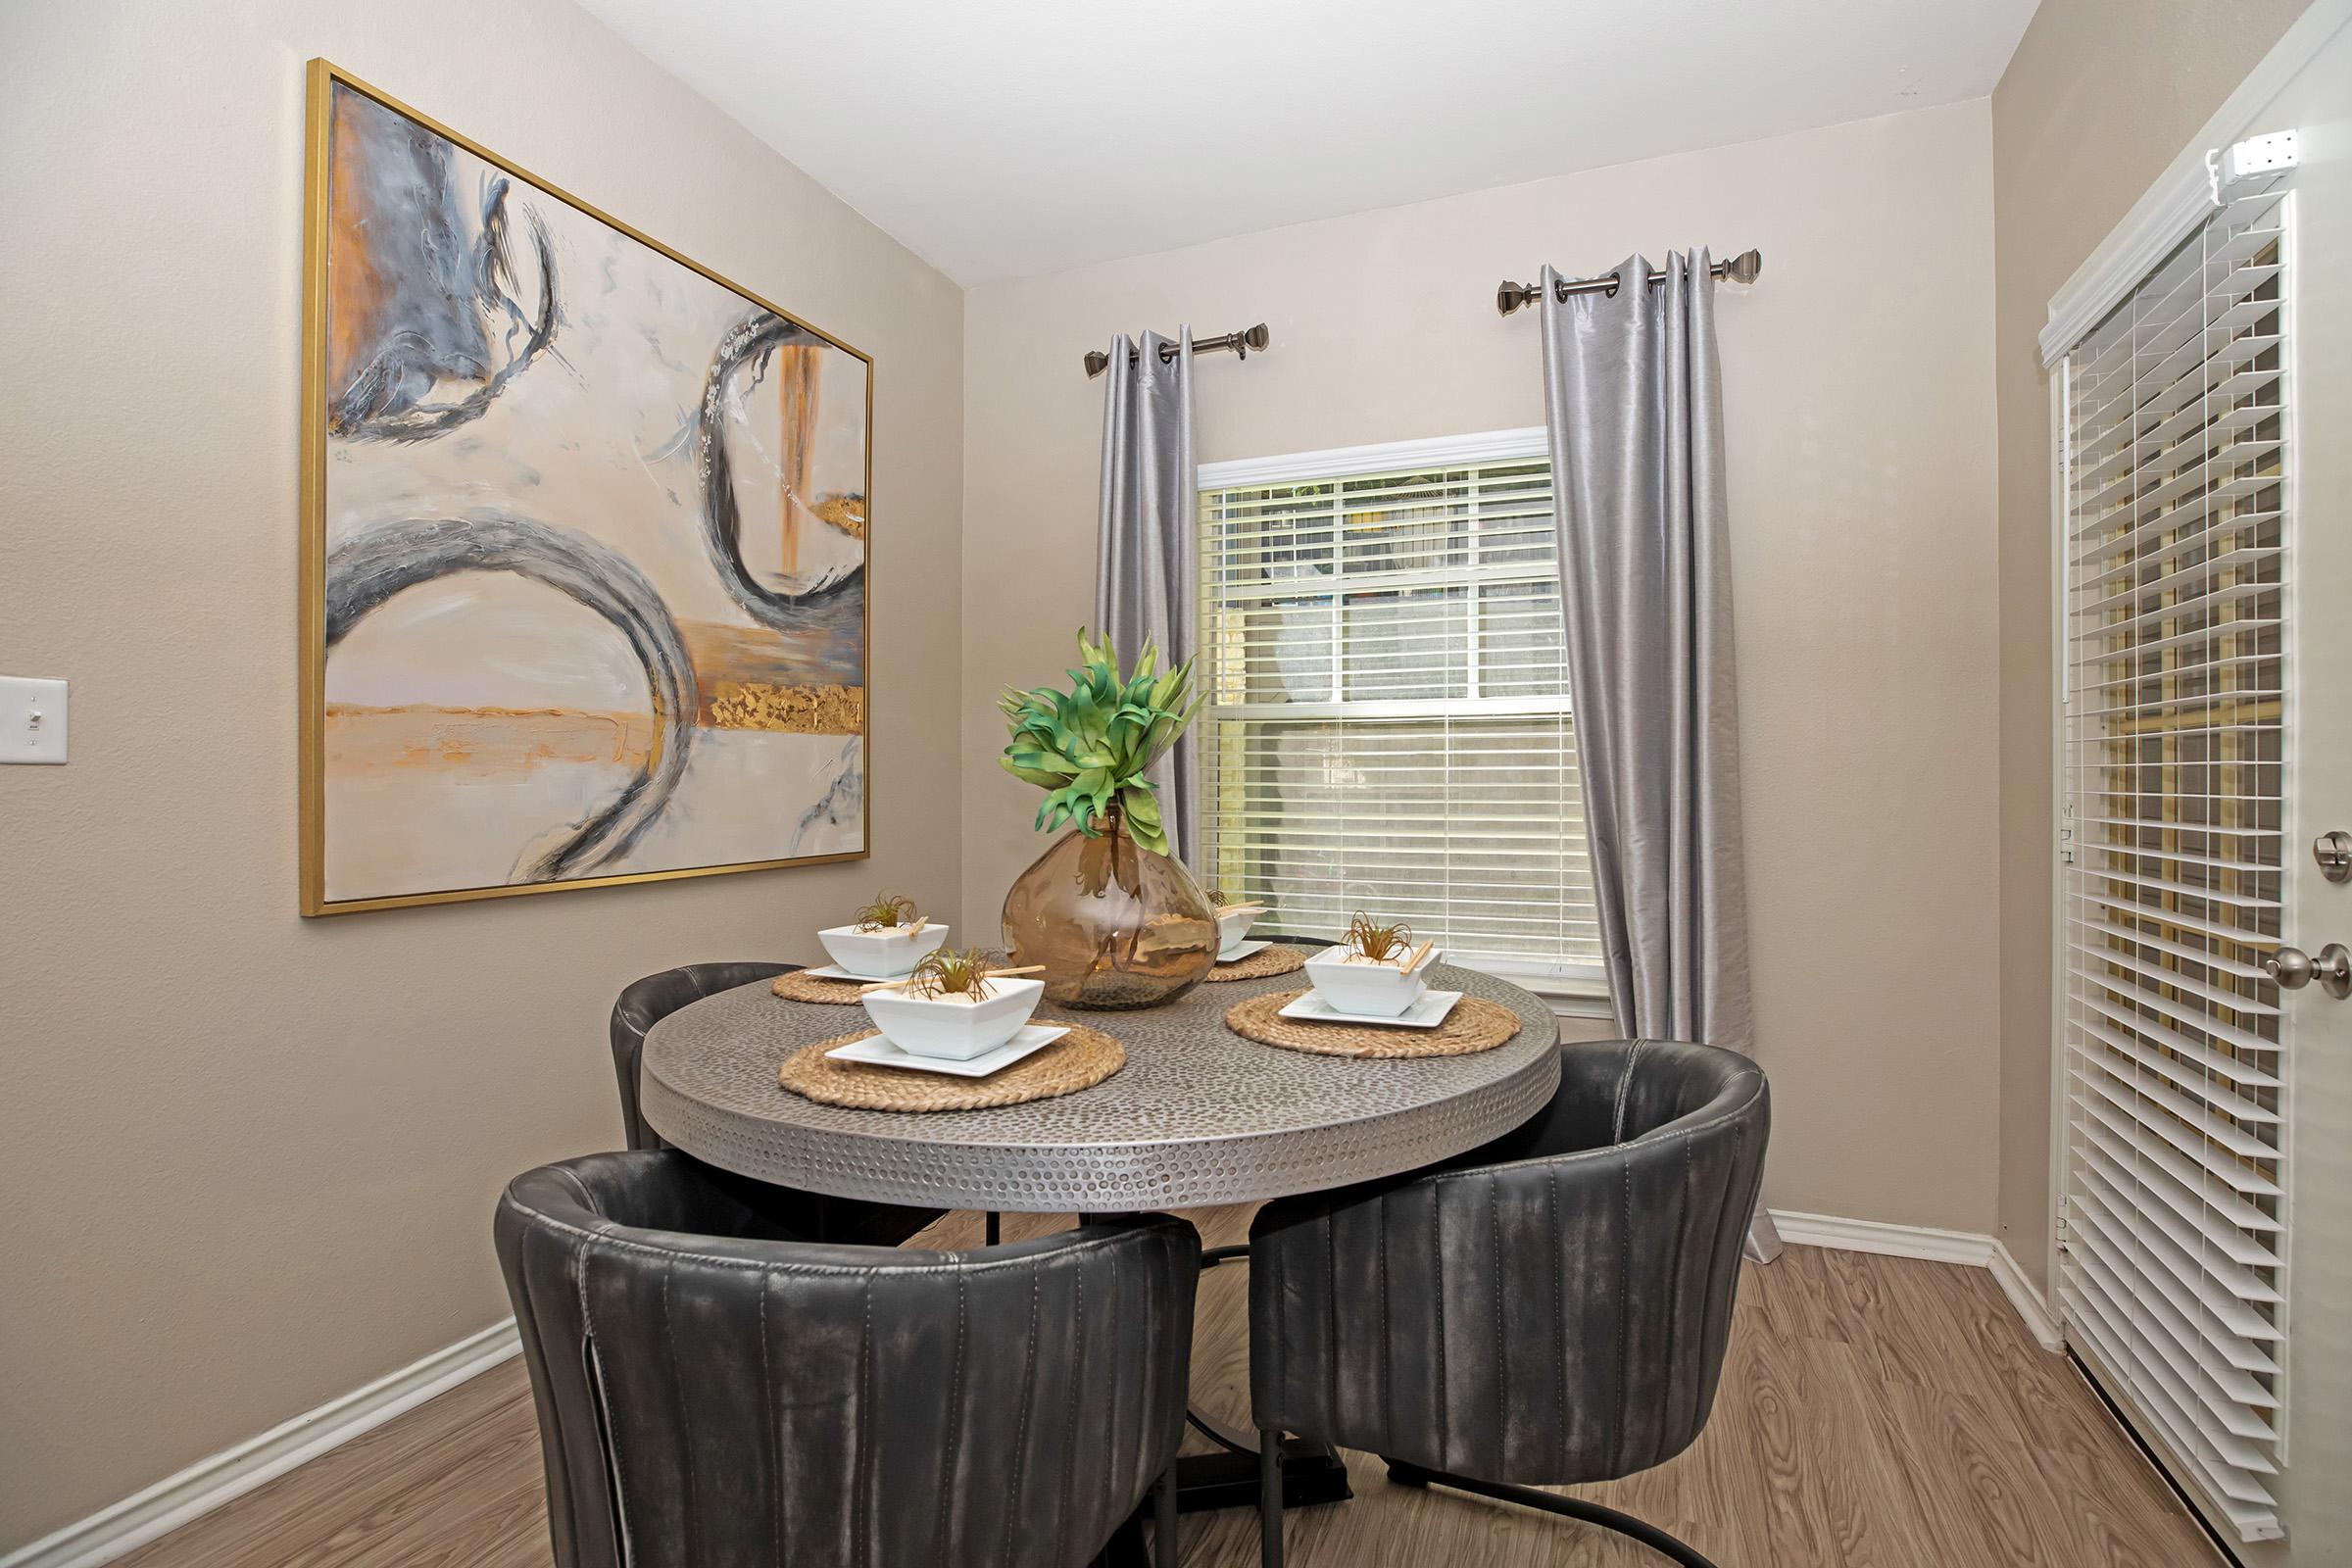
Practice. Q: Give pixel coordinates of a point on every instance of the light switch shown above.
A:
(32, 720)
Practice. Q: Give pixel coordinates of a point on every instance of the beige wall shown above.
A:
(248, 1162)
(254, 1157)
(2099, 97)
(1859, 390)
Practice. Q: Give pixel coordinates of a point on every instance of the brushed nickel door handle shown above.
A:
(2294, 968)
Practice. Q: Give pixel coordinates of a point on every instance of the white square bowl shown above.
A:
(1233, 926)
(1374, 989)
(954, 1028)
(883, 955)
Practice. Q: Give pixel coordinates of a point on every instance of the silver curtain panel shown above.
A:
(1632, 397)
(1147, 573)
(1634, 400)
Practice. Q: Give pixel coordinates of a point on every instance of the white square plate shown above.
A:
(878, 1051)
(1427, 1013)
(834, 971)
(1243, 949)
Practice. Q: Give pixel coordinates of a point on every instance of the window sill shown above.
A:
(1569, 995)
(1573, 1005)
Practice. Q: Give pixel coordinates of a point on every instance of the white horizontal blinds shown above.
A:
(2174, 617)
(1387, 725)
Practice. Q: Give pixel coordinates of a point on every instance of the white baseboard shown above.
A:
(1893, 1241)
(1923, 1242)
(209, 1483)
(2040, 1320)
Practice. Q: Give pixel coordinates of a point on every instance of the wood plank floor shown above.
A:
(1875, 1413)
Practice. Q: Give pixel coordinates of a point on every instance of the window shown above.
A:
(1386, 722)
(2175, 421)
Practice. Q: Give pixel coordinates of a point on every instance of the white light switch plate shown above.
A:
(32, 720)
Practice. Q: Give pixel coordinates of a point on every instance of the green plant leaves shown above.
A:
(1141, 807)
(1088, 747)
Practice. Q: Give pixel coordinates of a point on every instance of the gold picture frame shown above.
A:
(850, 515)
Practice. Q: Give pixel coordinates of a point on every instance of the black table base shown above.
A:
(1312, 1473)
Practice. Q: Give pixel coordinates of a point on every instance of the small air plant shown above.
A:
(947, 972)
(1374, 943)
(888, 912)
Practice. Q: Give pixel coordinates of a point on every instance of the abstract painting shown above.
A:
(584, 541)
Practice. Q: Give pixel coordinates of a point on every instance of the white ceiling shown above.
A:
(1005, 138)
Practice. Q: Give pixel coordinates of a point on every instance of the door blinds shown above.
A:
(1386, 723)
(2175, 747)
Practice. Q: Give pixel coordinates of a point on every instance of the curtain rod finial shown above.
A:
(1097, 362)
(1511, 296)
(1745, 267)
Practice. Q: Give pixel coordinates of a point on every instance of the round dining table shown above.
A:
(1197, 1116)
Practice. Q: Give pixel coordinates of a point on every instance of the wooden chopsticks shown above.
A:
(993, 974)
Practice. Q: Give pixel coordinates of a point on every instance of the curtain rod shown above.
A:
(1743, 268)
(1241, 343)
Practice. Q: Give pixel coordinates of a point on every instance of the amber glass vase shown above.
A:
(1113, 923)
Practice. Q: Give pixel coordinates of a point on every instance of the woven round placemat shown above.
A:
(1475, 1025)
(800, 986)
(1263, 964)
(1079, 1060)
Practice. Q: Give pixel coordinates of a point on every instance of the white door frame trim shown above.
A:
(2182, 194)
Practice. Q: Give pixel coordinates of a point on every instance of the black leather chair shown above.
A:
(1551, 1308)
(646, 1002)
(714, 1394)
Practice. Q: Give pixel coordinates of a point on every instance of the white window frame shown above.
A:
(1576, 989)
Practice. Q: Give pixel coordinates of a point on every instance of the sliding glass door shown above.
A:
(2205, 1201)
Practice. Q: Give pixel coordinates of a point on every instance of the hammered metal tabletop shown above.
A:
(1197, 1116)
